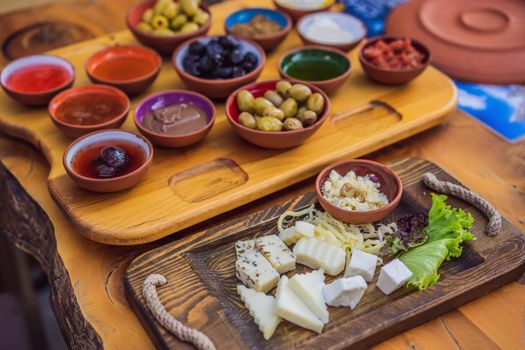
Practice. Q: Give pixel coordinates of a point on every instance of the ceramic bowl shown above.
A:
(267, 42)
(168, 98)
(348, 23)
(217, 88)
(393, 77)
(272, 140)
(296, 13)
(113, 184)
(76, 130)
(40, 98)
(165, 45)
(391, 186)
(311, 58)
(132, 86)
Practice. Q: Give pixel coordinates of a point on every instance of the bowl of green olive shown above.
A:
(277, 114)
(165, 24)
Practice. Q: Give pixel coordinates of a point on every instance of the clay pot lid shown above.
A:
(473, 40)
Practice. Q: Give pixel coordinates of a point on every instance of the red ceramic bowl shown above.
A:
(168, 98)
(393, 77)
(272, 140)
(218, 88)
(76, 130)
(165, 45)
(40, 98)
(268, 42)
(298, 13)
(100, 67)
(113, 184)
(391, 186)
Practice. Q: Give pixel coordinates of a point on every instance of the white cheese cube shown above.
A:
(276, 252)
(305, 229)
(243, 247)
(291, 308)
(318, 254)
(345, 291)
(263, 309)
(289, 236)
(361, 264)
(392, 276)
(309, 287)
(255, 272)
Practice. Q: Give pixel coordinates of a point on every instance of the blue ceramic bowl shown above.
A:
(267, 42)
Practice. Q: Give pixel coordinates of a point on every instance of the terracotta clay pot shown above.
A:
(296, 13)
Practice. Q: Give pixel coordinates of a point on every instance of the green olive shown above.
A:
(269, 124)
(292, 124)
(273, 97)
(282, 88)
(315, 103)
(260, 104)
(308, 118)
(201, 17)
(300, 92)
(247, 120)
(300, 112)
(273, 112)
(178, 22)
(189, 27)
(170, 10)
(159, 21)
(289, 107)
(245, 101)
(145, 27)
(147, 16)
(160, 5)
(164, 32)
(189, 7)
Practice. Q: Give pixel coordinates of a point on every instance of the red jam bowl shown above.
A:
(272, 140)
(130, 68)
(108, 138)
(71, 110)
(35, 80)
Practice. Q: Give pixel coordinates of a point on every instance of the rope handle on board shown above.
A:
(494, 225)
(181, 331)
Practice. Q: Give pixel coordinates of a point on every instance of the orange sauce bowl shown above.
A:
(129, 68)
(84, 109)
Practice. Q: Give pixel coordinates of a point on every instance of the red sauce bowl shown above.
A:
(41, 97)
(113, 184)
(266, 139)
(76, 96)
(165, 45)
(130, 68)
(391, 186)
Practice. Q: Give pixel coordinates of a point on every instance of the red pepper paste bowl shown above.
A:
(132, 69)
(84, 109)
(35, 80)
(268, 139)
(81, 160)
(391, 186)
(392, 76)
(165, 45)
(171, 98)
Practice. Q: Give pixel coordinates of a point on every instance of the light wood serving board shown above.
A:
(187, 186)
(201, 288)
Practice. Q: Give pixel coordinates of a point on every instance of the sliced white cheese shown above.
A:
(289, 236)
(309, 287)
(276, 252)
(255, 272)
(361, 264)
(345, 291)
(263, 309)
(319, 254)
(243, 247)
(305, 229)
(392, 276)
(291, 308)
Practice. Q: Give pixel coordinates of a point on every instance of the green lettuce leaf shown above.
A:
(447, 228)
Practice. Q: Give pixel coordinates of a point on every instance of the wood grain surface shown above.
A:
(153, 209)
(202, 282)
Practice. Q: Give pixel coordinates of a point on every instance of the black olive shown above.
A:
(206, 64)
(248, 66)
(213, 49)
(235, 57)
(103, 170)
(189, 60)
(114, 157)
(223, 72)
(251, 57)
(196, 48)
(238, 72)
(229, 41)
(194, 70)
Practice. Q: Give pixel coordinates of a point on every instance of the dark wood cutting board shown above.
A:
(201, 289)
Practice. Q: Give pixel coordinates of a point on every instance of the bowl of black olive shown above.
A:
(216, 66)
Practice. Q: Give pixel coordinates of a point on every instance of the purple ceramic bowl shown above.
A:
(169, 98)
